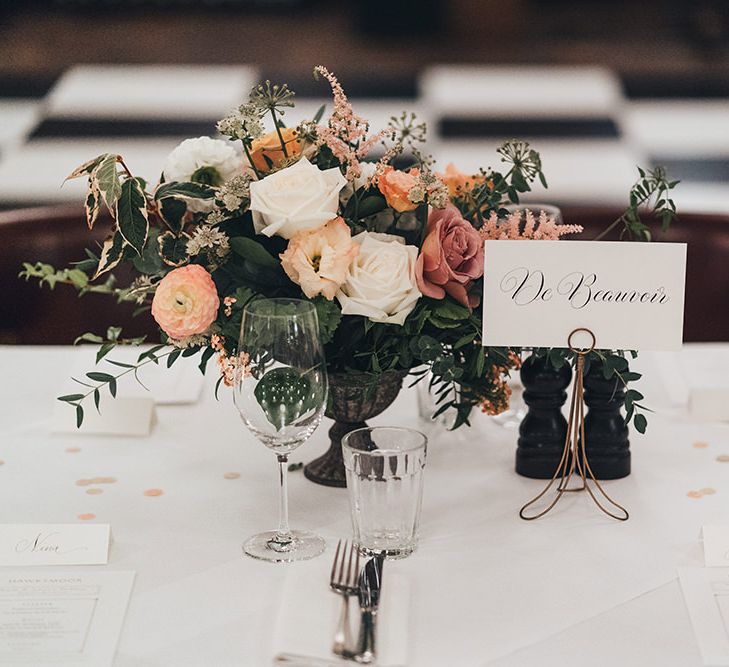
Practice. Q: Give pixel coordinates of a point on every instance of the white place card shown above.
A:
(64, 618)
(630, 295)
(117, 416)
(706, 592)
(716, 545)
(54, 544)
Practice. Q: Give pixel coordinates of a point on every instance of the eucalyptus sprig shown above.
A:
(651, 191)
(102, 379)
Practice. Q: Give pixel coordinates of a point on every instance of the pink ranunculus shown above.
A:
(451, 257)
(186, 302)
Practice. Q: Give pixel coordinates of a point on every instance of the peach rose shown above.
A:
(317, 260)
(269, 146)
(451, 257)
(186, 302)
(457, 181)
(395, 186)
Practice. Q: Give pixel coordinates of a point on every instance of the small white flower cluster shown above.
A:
(209, 240)
(195, 340)
(430, 186)
(234, 192)
(140, 288)
(244, 123)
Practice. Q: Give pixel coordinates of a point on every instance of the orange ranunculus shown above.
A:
(186, 302)
(395, 186)
(457, 181)
(269, 146)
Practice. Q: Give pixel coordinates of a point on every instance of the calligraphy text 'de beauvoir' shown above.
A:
(578, 288)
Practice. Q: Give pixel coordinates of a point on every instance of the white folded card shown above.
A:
(54, 544)
(706, 592)
(630, 295)
(117, 416)
(716, 545)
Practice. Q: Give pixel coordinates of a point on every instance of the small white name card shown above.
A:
(54, 544)
(118, 416)
(716, 546)
(630, 295)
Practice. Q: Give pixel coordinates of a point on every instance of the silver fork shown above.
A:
(344, 580)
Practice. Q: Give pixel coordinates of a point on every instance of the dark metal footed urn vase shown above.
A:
(353, 399)
(543, 430)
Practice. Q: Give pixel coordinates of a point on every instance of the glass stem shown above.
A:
(283, 535)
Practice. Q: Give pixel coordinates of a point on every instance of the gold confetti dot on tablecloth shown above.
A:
(694, 494)
(700, 445)
(153, 492)
(87, 517)
(231, 475)
(94, 491)
(708, 491)
(73, 450)
(723, 458)
(83, 482)
(104, 480)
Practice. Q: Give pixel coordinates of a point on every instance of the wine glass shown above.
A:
(281, 392)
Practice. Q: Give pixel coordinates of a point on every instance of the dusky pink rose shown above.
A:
(317, 260)
(451, 257)
(186, 302)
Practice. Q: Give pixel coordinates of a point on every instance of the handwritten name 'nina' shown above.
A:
(579, 288)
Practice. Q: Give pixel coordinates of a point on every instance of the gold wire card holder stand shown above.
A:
(574, 461)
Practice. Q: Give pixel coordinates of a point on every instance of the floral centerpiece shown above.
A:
(324, 210)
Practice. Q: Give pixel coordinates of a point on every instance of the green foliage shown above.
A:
(132, 215)
(253, 252)
(652, 193)
(329, 315)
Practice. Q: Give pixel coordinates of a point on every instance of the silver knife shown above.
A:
(370, 585)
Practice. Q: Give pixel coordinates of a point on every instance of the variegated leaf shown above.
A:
(108, 182)
(111, 254)
(184, 190)
(86, 167)
(132, 215)
(92, 203)
(173, 248)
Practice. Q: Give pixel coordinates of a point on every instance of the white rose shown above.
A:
(380, 283)
(193, 157)
(295, 199)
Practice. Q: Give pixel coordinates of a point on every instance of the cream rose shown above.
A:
(381, 281)
(295, 199)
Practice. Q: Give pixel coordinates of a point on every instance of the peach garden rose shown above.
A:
(317, 260)
(186, 302)
(269, 146)
(395, 185)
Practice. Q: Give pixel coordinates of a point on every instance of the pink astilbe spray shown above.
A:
(346, 132)
(543, 227)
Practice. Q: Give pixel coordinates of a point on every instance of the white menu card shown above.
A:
(630, 295)
(706, 591)
(63, 617)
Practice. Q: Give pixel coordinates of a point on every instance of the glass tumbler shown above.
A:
(384, 468)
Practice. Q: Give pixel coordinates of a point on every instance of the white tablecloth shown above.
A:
(487, 588)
